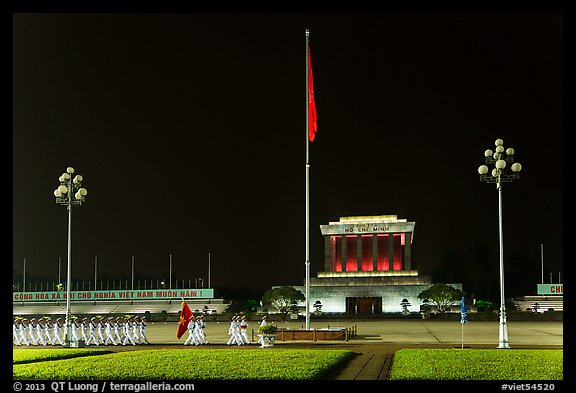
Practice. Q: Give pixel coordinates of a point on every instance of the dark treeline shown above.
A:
(479, 273)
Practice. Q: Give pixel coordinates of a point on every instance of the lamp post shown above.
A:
(500, 157)
(69, 193)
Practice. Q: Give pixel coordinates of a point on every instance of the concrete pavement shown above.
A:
(393, 331)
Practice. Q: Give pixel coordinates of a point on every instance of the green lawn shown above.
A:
(280, 364)
(179, 364)
(477, 364)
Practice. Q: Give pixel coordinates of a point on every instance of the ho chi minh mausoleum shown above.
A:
(368, 267)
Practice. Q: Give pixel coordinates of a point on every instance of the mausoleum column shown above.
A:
(344, 253)
(390, 251)
(329, 259)
(358, 252)
(408, 251)
(375, 252)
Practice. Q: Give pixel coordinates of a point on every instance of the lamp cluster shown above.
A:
(499, 157)
(69, 185)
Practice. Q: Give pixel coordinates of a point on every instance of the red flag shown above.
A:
(312, 118)
(185, 316)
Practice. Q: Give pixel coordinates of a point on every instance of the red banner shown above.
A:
(312, 118)
(185, 316)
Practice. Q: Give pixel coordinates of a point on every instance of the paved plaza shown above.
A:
(391, 331)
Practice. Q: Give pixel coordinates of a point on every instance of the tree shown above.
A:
(282, 298)
(442, 295)
(405, 304)
(317, 307)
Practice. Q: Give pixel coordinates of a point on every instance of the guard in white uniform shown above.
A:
(191, 334)
(128, 332)
(23, 331)
(58, 327)
(234, 331)
(232, 339)
(199, 330)
(118, 330)
(92, 332)
(84, 329)
(39, 332)
(243, 326)
(109, 332)
(136, 331)
(73, 329)
(263, 323)
(47, 323)
(143, 330)
(32, 331)
(16, 332)
(100, 335)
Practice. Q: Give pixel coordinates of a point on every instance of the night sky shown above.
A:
(190, 132)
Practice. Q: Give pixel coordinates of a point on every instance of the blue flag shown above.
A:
(463, 318)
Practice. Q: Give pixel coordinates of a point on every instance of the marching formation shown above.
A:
(94, 331)
(238, 331)
(196, 333)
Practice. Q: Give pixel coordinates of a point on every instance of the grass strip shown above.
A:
(22, 356)
(185, 364)
(477, 364)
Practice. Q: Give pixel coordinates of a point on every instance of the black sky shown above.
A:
(189, 131)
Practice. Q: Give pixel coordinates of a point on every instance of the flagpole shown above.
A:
(463, 318)
(307, 190)
(462, 334)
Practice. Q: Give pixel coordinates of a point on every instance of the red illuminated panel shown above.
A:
(367, 254)
(382, 252)
(351, 254)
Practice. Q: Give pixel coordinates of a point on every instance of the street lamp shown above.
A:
(69, 193)
(500, 157)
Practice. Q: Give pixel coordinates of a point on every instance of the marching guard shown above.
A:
(199, 330)
(191, 335)
(234, 332)
(263, 323)
(118, 329)
(109, 332)
(73, 329)
(22, 331)
(19, 332)
(48, 330)
(243, 328)
(128, 332)
(92, 332)
(39, 331)
(136, 331)
(32, 331)
(57, 328)
(84, 329)
(100, 335)
(16, 331)
(143, 329)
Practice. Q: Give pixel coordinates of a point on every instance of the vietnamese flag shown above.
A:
(185, 316)
(312, 118)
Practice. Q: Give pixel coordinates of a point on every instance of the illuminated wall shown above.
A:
(366, 252)
(351, 253)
